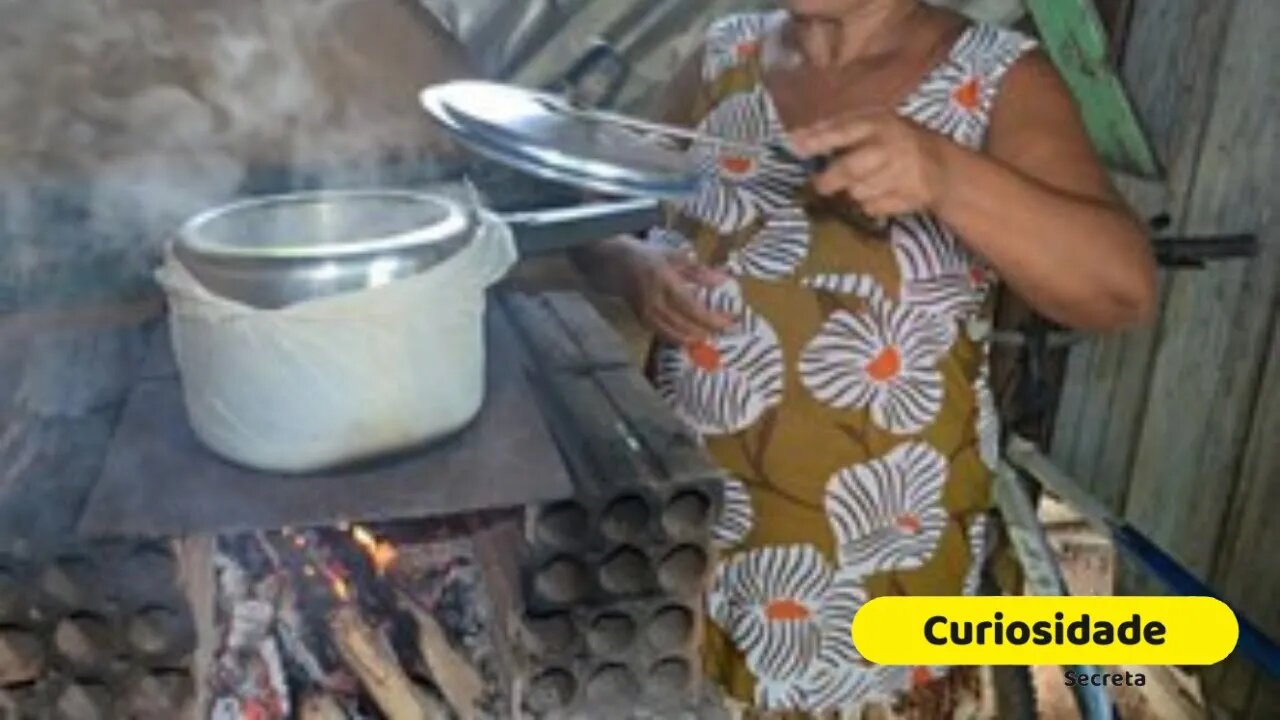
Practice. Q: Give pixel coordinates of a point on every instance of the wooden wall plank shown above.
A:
(1106, 385)
(1204, 378)
(1208, 449)
(1247, 577)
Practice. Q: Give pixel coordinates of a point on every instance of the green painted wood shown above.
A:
(1074, 37)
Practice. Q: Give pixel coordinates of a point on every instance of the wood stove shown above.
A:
(565, 591)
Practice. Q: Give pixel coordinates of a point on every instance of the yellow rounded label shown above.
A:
(1045, 631)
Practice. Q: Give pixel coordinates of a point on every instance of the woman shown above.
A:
(825, 332)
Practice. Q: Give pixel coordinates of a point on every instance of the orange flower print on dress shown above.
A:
(789, 615)
(887, 514)
(884, 359)
(842, 470)
(968, 95)
(776, 250)
(735, 40)
(767, 601)
(939, 275)
(736, 515)
(724, 384)
(955, 99)
(741, 185)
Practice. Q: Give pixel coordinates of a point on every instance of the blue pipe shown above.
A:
(1253, 642)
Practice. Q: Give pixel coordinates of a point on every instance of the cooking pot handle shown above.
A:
(546, 231)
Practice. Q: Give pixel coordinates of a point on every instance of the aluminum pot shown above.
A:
(312, 330)
(274, 251)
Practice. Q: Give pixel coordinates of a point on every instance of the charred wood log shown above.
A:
(455, 676)
(371, 658)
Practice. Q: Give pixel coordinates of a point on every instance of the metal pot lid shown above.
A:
(542, 135)
(325, 225)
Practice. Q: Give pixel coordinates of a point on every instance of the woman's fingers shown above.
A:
(674, 328)
(695, 272)
(828, 137)
(688, 307)
(859, 183)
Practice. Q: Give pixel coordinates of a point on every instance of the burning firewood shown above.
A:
(371, 658)
(458, 679)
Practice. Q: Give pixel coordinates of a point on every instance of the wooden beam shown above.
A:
(1074, 37)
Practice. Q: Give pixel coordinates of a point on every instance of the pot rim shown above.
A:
(458, 222)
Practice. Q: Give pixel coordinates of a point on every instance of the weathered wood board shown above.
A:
(1166, 425)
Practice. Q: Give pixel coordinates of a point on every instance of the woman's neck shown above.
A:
(873, 27)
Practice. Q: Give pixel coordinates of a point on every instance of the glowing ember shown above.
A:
(380, 552)
(338, 584)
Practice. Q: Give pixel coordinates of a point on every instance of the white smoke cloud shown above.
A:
(121, 118)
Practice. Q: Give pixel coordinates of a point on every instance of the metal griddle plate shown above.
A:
(540, 134)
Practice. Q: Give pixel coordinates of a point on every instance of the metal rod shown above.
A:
(776, 146)
(1044, 574)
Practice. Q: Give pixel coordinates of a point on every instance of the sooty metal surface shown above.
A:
(159, 480)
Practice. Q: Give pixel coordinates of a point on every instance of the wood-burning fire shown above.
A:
(335, 604)
(381, 553)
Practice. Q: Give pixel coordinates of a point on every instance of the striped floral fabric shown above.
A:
(850, 402)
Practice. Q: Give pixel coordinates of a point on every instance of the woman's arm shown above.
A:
(603, 262)
(1038, 204)
(1040, 208)
(655, 282)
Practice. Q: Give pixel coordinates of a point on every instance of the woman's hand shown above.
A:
(658, 285)
(887, 165)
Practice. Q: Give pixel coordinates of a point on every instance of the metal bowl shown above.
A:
(275, 251)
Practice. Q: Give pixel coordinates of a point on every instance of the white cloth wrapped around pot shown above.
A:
(340, 378)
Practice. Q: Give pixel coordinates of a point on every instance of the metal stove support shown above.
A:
(1044, 576)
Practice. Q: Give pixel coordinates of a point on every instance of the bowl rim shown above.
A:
(458, 222)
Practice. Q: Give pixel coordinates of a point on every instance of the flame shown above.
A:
(338, 584)
(381, 552)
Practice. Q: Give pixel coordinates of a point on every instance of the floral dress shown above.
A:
(850, 400)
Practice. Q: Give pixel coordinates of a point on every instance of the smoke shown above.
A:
(121, 118)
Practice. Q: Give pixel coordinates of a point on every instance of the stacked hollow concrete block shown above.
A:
(92, 632)
(613, 576)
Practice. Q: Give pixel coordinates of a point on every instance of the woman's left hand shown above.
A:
(887, 165)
